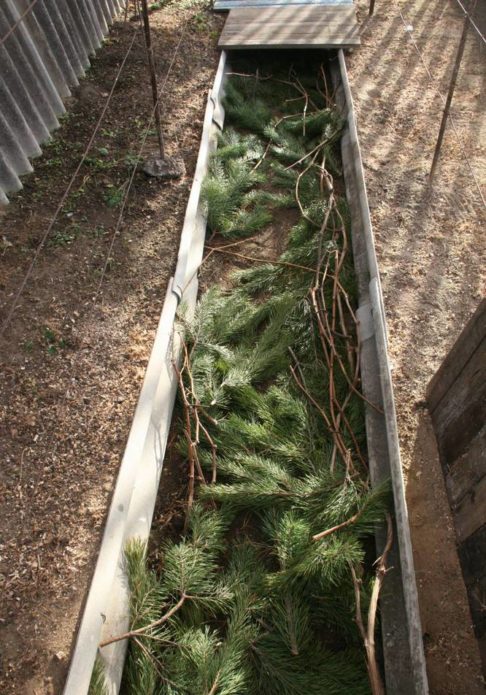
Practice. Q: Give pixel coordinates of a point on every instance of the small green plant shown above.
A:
(200, 21)
(114, 195)
(99, 163)
(133, 160)
(66, 236)
(53, 341)
(54, 162)
(98, 232)
(50, 339)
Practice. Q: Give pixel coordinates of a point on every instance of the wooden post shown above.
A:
(372, 7)
(153, 78)
(450, 94)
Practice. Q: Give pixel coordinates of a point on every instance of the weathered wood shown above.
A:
(461, 352)
(296, 26)
(472, 553)
(468, 470)
(470, 514)
(402, 645)
(231, 4)
(457, 401)
(461, 413)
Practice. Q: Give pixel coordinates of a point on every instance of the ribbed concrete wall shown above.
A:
(40, 61)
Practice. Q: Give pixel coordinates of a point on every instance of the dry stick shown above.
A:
(322, 412)
(214, 686)
(194, 408)
(346, 375)
(325, 337)
(261, 260)
(348, 522)
(227, 246)
(306, 156)
(193, 388)
(141, 630)
(324, 340)
(214, 449)
(188, 433)
(450, 93)
(154, 661)
(368, 635)
(353, 385)
(332, 329)
(135, 166)
(342, 407)
(347, 337)
(153, 77)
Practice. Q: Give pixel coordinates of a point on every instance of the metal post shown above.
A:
(452, 86)
(153, 78)
(372, 7)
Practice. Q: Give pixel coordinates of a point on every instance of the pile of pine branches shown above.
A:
(270, 588)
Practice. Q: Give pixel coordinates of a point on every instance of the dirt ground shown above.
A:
(72, 361)
(431, 251)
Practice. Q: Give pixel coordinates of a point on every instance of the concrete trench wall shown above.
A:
(41, 60)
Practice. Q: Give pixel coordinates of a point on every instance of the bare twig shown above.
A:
(142, 630)
(353, 519)
(261, 260)
(368, 633)
(214, 686)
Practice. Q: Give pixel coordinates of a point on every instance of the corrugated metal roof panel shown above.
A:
(40, 61)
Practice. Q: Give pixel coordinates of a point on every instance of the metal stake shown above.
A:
(153, 78)
(372, 7)
(452, 86)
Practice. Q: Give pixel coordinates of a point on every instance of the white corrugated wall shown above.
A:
(41, 59)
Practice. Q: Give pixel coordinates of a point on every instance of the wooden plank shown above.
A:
(470, 514)
(461, 352)
(399, 615)
(466, 487)
(471, 554)
(220, 5)
(461, 414)
(468, 470)
(245, 14)
(291, 26)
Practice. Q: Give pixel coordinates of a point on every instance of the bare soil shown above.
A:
(72, 359)
(431, 251)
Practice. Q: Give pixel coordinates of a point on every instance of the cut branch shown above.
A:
(368, 633)
(141, 630)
